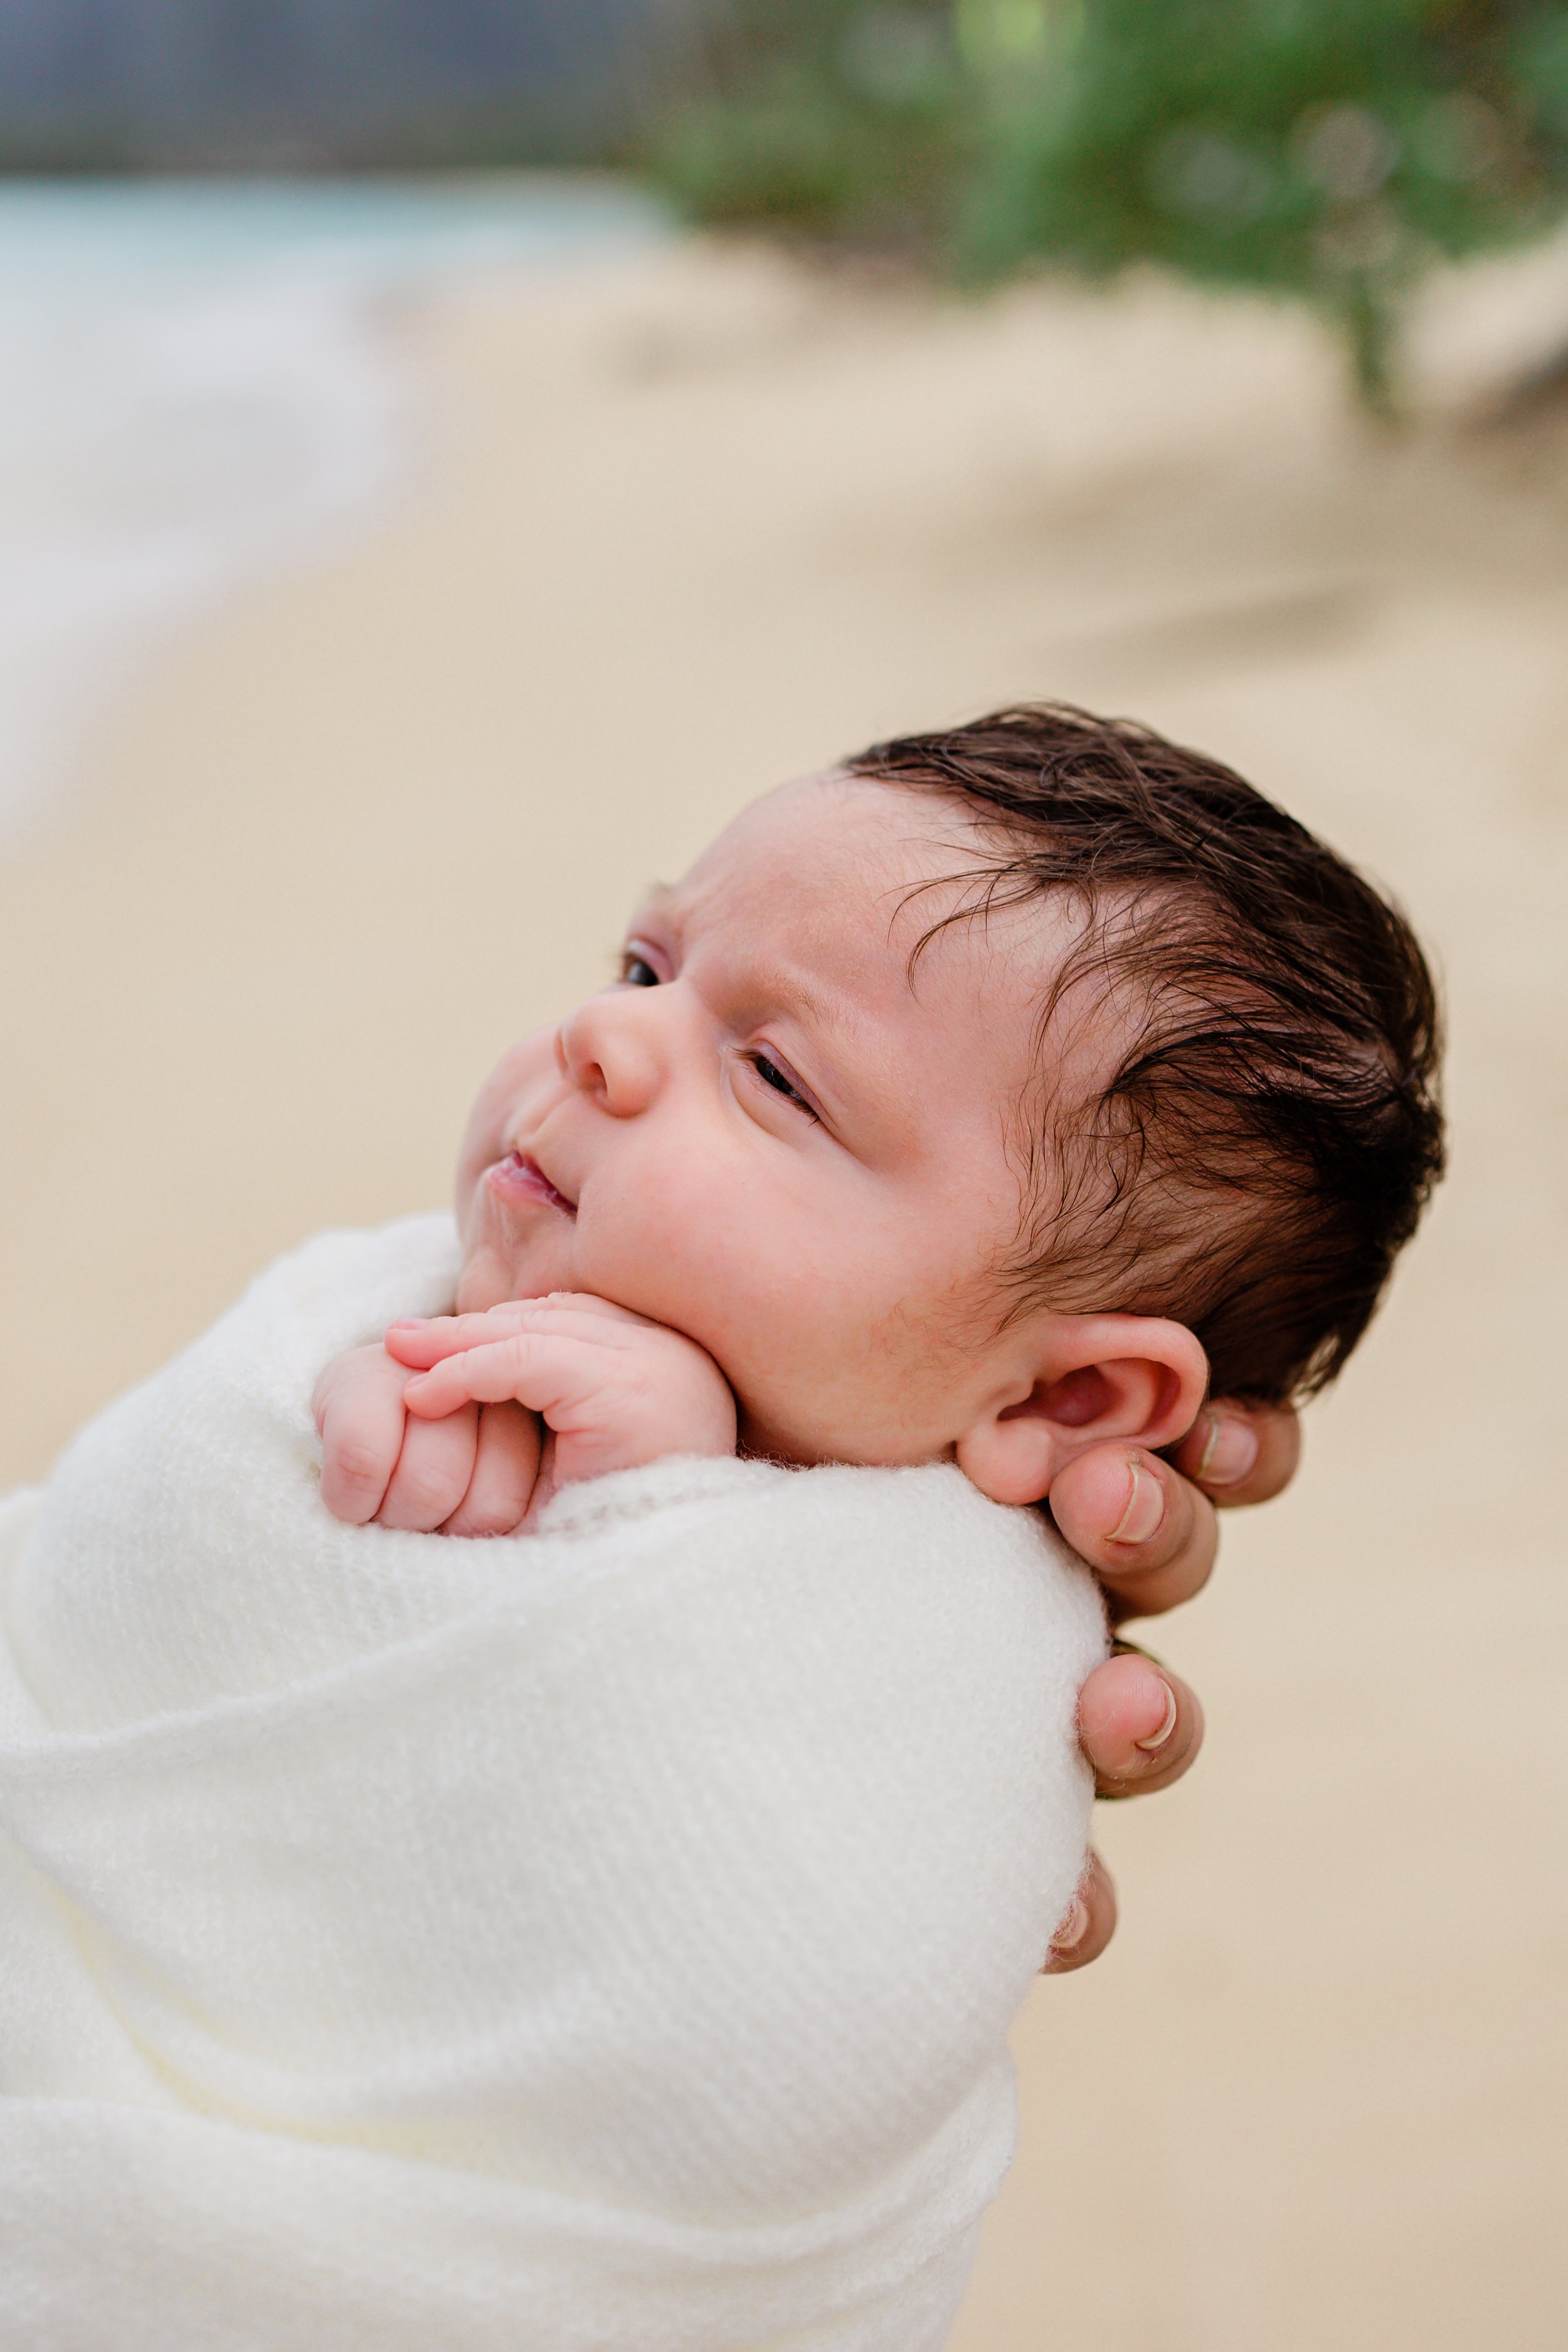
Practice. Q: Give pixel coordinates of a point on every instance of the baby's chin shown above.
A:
(506, 1255)
(492, 1276)
(485, 1281)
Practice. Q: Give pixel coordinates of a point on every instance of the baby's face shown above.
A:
(770, 1136)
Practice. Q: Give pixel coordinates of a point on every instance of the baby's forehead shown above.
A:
(883, 891)
(834, 853)
(830, 813)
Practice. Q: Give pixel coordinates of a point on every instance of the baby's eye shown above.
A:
(637, 971)
(768, 1070)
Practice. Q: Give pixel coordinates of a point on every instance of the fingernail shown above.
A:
(1074, 1927)
(1156, 1739)
(408, 1323)
(1145, 1505)
(1230, 1453)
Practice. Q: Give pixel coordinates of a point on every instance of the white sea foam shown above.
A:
(194, 384)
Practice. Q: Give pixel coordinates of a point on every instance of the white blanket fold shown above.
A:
(598, 1941)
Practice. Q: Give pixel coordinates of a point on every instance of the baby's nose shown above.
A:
(606, 1049)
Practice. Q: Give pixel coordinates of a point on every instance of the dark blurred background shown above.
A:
(253, 84)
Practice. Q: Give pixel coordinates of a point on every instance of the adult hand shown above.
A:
(1148, 1528)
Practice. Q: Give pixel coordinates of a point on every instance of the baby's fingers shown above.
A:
(434, 1471)
(545, 1372)
(421, 1341)
(506, 1470)
(362, 1420)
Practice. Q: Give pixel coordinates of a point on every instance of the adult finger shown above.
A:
(506, 1469)
(1149, 1536)
(1139, 1725)
(433, 1472)
(1089, 1924)
(1240, 1452)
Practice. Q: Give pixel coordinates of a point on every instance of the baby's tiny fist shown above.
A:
(359, 1411)
(505, 1475)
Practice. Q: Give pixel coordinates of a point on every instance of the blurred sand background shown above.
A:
(689, 523)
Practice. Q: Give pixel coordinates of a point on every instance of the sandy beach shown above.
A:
(693, 521)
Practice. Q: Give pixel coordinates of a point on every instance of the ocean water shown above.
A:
(198, 382)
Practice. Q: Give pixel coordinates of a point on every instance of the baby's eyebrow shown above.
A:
(784, 982)
(658, 898)
(789, 986)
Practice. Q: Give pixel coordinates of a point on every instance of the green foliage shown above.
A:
(1327, 149)
(831, 115)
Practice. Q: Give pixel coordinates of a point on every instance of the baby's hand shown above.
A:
(617, 1390)
(471, 1474)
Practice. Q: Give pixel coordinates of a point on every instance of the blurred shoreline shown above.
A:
(202, 384)
(697, 520)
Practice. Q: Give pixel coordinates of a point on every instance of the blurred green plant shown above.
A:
(832, 116)
(1330, 150)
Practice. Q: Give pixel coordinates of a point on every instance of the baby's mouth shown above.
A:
(518, 1178)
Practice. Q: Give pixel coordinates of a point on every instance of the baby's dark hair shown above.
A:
(1266, 1142)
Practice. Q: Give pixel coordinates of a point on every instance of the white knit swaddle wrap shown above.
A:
(597, 1941)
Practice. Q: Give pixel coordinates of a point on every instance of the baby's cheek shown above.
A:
(893, 1392)
(526, 1064)
(807, 1389)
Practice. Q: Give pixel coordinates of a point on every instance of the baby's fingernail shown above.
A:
(1145, 1505)
(408, 1323)
(1230, 1453)
(1074, 1927)
(1156, 1739)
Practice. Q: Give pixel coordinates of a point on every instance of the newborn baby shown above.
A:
(604, 1937)
(765, 1192)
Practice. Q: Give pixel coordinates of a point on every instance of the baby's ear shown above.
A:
(1095, 1377)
